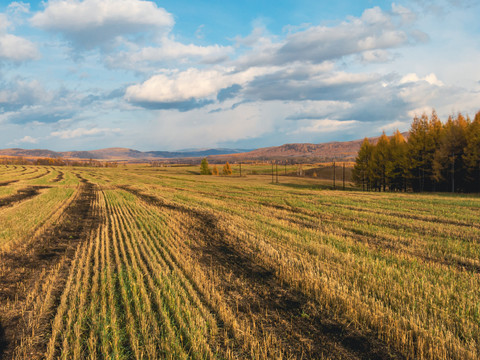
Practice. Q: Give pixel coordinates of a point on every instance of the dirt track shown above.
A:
(257, 294)
(22, 268)
(21, 195)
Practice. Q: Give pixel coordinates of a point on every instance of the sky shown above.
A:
(176, 74)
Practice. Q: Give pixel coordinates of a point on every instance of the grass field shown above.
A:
(142, 262)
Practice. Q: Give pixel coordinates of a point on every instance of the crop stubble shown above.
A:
(132, 272)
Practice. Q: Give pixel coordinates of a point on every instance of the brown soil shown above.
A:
(373, 239)
(21, 268)
(59, 177)
(39, 176)
(22, 194)
(5, 183)
(276, 308)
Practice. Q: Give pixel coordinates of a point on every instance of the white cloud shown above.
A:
(90, 23)
(430, 78)
(185, 85)
(22, 92)
(169, 50)
(325, 126)
(4, 23)
(375, 16)
(376, 56)
(16, 48)
(396, 125)
(18, 8)
(190, 84)
(406, 14)
(199, 32)
(12, 47)
(82, 132)
(28, 139)
(202, 128)
(372, 33)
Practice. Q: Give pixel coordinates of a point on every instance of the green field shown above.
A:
(145, 262)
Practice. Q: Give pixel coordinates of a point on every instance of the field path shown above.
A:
(258, 296)
(32, 278)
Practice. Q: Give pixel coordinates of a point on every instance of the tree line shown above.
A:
(20, 160)
(435, 156)
(206, 170)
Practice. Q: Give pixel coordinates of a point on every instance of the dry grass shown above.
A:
(186, 266)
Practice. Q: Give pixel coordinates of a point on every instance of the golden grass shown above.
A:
(154, 280)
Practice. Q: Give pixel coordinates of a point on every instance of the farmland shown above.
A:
(144, 262)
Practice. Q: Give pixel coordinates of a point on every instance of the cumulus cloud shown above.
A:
(21, 92)
(329, 85)
(149, 57)
(407, 15)
(28, 139)
(90, 23)
(25, 101)
(325, 126)
(83, 132)
(182, 86)
(395, 125)
(430, 78)
(18, 7)
(198, 87)
(374, 32)
(190, 87)
(15, 48)
(376, 56)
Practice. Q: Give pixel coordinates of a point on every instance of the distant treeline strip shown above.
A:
(437, 157)
(20, 160)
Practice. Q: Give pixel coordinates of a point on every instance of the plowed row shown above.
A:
(162, 264)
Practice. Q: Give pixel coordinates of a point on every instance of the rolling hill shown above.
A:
(336, 150)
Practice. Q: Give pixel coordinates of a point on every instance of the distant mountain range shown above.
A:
(119, 153)
(337, 150)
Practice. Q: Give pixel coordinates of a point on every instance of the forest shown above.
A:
(435, 156)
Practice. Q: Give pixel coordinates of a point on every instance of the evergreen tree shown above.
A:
(227, 170)
(417, 152)
(360, 173)
(380, 159)
(449, 168)
(204, 169)
(434, 134)
(471, 156)
(396, 166)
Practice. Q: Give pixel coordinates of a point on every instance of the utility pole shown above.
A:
(276, 170)
(285, 167)
(343, 176)
(272, 172)
(453, 172)
(334, 175)
(363, 180)
(240, 169)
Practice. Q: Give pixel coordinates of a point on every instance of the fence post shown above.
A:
(272, 171)
(334, 175)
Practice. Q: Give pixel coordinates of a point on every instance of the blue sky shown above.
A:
(167, 75)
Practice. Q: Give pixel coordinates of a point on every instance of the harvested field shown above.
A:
(59, 177)
(22, 194)
(147, 263)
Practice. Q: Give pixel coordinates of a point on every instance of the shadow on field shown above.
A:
(3, 340)
(262, 298)
(307, 186)
(22, 194)
(23, 265)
